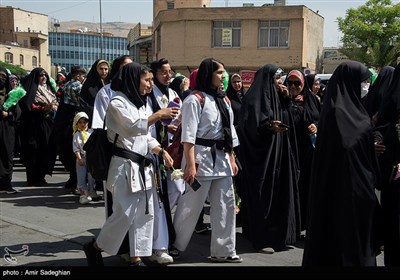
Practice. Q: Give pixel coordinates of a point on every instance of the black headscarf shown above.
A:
(310, 79)
(203, 83)
(378, 90)
(92, 85)
(175, 85)
(155, 66)
(30, 83)
(235, 97)
(129, 83)
(6, 85)
(116, 65)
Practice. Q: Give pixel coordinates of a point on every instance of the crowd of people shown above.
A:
(289, 161)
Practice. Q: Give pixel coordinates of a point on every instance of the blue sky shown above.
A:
(142, 10)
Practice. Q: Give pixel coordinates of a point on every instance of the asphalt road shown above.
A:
(53, 225)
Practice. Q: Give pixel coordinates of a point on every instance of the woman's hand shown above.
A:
(312, 129)
(379, 148)
(278, 126)
(168, 113)
(172, 128)
(169, 162)
(189, 174)
(283, 90)
(235, 168)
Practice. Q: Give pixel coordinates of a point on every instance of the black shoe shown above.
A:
(9, 190)
(93, 255)
(174, 253)
(37, 183)
(201, 228)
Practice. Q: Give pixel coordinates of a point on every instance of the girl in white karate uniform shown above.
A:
(209, 136)
(128, 181)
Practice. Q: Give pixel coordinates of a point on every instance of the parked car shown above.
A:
(324, 78)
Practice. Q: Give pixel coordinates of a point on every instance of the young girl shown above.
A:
(81, 134)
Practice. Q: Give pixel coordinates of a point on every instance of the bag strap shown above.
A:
(104, 125)
(200, 97)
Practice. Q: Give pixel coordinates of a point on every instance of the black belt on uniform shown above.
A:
(142, 161)
(214, 144)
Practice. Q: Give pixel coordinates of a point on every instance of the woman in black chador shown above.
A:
(387, 132)
(39, 107)
(342, 201)
(270, 164)
(9, 115)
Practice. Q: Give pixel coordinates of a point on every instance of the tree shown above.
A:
(16, 70)
(372, 33)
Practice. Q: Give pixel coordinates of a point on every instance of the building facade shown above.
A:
(82, 47)
(23, 38)
(241, 37)
(140, 44)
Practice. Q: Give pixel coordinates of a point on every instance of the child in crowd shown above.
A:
(81, 134)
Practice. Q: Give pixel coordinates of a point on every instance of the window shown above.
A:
(34, 61)
(25, 43)
(226, 34)
(274, 34)
(170, 5)
(21, 59)
(8, 57)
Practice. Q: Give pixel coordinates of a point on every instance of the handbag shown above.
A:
(98, 153)
(175, 149)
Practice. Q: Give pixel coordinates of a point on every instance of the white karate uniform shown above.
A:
(216, 181)
(126, 183)
(103, 98)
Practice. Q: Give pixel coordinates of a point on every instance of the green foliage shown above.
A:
(16, 70)
(371, 33)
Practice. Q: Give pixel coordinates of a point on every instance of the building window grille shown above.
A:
(21, 59)
(8, 57)
(170, 5)
(274, 34)
(226, 34)
(34, 61)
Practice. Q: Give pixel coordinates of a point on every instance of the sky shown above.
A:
(142, 11)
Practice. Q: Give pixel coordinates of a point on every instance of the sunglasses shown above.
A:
(295, 83)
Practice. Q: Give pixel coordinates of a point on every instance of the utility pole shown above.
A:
(101, 33)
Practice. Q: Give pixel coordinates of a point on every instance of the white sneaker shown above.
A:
(88, 195)
(83, 199)
(161, 257)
